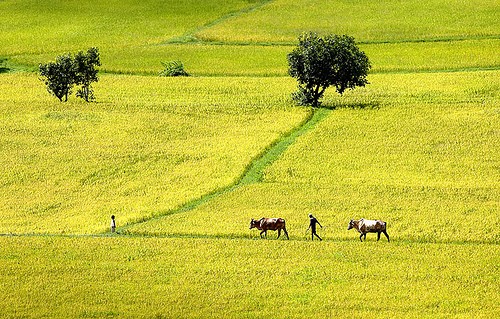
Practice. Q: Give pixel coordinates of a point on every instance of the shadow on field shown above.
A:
(372, 105)
(302, 238)
(3, 68)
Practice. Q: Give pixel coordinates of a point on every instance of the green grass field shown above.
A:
(185, 163)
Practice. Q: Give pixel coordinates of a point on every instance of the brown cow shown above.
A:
(364, 226)
(265, 224)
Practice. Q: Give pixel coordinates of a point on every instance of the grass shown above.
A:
(67, 166)
(239, 38)
(368, 21)
(32, 27)
(179, 278)
(408, 145)
(185, 164)
(269, 60)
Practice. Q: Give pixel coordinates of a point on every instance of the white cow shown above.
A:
(364, 226)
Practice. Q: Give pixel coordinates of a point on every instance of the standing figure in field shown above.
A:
(265, 224)
(364, 226)
(113, 223)
(312, 224)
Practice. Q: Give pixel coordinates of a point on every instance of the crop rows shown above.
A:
(67, 168)
(185, 163)
(61, 277)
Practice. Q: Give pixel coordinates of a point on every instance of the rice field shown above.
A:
(67, 168)
(367, 21)
(185, 163)
(85, 277)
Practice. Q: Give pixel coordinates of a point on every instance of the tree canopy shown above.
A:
(61, 75)
(319, 62)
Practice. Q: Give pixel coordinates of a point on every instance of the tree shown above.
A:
(86, 72)
(318, 63)
(59, 76)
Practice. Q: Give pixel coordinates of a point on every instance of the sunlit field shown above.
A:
(149, 145)
(422, 145)
(235, 278)
(250, 38)
(268, 60)
(185, 163)
(366, 20)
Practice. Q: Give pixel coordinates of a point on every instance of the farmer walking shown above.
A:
(113, 223)
(312, 224)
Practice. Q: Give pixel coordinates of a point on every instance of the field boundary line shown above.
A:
(190, 36)
(252, 174)
(250, 237)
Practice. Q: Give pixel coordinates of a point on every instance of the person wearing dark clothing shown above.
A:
(312, 224)
(113, 224)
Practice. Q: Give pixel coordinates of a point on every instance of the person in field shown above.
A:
(113, 223)
(312, 224)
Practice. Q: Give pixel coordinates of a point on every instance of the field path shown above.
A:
(190, 36)
(254, 171)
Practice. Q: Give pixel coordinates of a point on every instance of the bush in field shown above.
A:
(3, 68)
(60, 76)
(318, 63)
(173, 68)
(86, 72)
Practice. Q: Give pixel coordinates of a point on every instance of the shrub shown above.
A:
(59, 76)
(173, 68)
(86, 72)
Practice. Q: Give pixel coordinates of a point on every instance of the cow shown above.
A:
(265, 224)
(364, 226)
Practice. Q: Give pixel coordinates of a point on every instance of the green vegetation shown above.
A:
(365, 20)
(185, 163)
(320, 62)
(408, 145)
(86, 277)
(66, 71)
(148, 145)
(173, 68)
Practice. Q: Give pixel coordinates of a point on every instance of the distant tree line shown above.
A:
(66, 71)
(317, 63)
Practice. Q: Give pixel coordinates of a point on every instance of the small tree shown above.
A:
(59, 76)
(318, 63)
(86, 72)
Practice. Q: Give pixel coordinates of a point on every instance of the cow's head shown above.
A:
(351, 225)
(254, 223)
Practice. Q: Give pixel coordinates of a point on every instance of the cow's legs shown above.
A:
(286, 233)
(263, 232)
(279, 233)
(387, 235)
(378, 236)
(361, 237)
